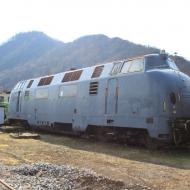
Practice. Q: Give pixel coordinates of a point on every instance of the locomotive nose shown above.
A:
(181, 120)
(185, 93)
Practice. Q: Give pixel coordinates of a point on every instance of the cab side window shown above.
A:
(126, 66)
(116, 68)
(136, 66)
(133, 66)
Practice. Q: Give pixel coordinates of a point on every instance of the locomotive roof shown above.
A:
(86, 73)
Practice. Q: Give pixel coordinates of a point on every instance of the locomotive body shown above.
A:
(142, 99)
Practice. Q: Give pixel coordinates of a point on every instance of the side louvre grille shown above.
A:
(93, 88)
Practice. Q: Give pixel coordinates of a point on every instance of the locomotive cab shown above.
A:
(173, 95)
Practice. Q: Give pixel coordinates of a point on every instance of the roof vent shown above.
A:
(163, 54)
(162, 51)
(73, 68)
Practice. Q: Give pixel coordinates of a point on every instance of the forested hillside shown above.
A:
(34, 54)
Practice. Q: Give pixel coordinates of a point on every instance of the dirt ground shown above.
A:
(166, 169)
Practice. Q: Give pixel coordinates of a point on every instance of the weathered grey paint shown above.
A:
(127, 100)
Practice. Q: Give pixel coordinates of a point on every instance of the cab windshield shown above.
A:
(159, 62)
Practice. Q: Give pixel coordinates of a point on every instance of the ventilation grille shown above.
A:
(93, 88)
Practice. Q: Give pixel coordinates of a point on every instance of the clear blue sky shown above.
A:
(159, 23)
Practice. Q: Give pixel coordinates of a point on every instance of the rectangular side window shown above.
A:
(45, 81)
(136, 66)
(42, 93)
(72, 76)
(97, 71)
(68, 91)
(131, 66)
(30, 84)
(93, 89)
(76, 75)
(67, 77)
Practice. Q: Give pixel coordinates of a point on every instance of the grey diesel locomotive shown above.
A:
(145, 99)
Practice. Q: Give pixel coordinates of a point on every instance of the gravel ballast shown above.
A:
(58, 177)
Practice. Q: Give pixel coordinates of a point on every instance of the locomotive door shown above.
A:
(112, 97)
(18, 102)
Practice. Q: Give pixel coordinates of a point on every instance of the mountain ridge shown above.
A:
(33, 54)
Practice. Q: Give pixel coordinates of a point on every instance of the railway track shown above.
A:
(5, 185)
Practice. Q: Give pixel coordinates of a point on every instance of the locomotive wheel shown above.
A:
(176, 137)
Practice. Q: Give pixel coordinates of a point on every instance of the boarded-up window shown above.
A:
(67, 77)
(68, 91)
(72, 76)
(30, 83)
(45, 81)
(93, 88)
(42, 93)
(76, 75)
(97, 71)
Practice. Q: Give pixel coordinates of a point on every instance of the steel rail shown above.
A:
(6, 185)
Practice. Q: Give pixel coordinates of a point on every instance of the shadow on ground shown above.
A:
(172, 157)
